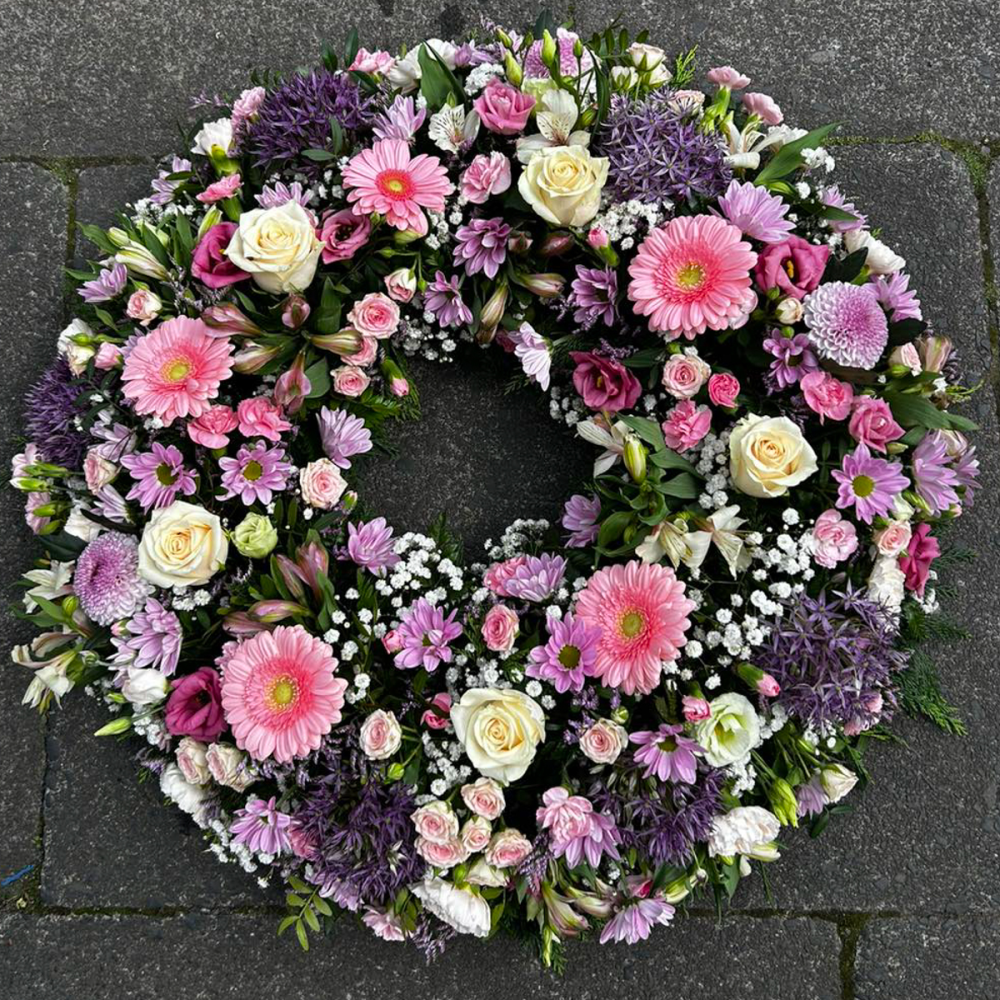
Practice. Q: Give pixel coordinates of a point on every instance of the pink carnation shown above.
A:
(686, 425)
(259, 417)
(220, 190)
(833, 539)
(212, 428)
(378, 61)
(486, 175)
(497, 575)
(826, 395)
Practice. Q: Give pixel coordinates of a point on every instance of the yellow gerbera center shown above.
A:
(282, 693)
(176, 370)
(691, 276)
(632, 623)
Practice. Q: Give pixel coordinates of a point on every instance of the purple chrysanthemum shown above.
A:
(371, 545)
(50, 412)
(896, 297)
(163, 187)
(425, 634)
(846, 324)
(793, 358)
(537, 579)
(107, 580)
(635, 921)
(868, 484)
(343, 435)
(655, 154)
(109, 283)
(967, 470)
(756, 212)
(262, 827)
(482, 246)
(567, 658)
(255, 473)
(278, 194)
(810, 797)
(401, 120)
(444, 299)
(933, 476)
(580, 516)
(159, 476)
(593, 296)
(832, 198)
(154, 641)
(667, 754)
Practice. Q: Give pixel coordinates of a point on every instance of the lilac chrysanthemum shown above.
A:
(868, 484)
(537, 579)
(667, 754)
(635, 921)
(444, 299)
(567, 658)
(835, 658)
(846, 324)
(255, 473)
(425, 634)
(655, 154)
(163, 187)
(109, 283)
(278, 194)
(343, 435)
(756, 212)
(580, 516)
(933, 476)
(482, 246)
(793, 358)
(371, 545)
(107, 580)
(159, 476)
(810, 797)
(896, 297)
(262, 827)
(297, 117)
(594, 295)
(832, 198)
(401, 120)
(154, 640)
(532, 350)
(50, 411)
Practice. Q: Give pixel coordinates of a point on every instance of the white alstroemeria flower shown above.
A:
(722, 530)
(555, 126)
(50, 674)
(51, 584)
(674, 540)
(451, 128)
(745, 147)
(611, 440)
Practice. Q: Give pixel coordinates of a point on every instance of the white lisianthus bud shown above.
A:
(881, 259)
(145, 686)
(837, 782)
(789, 311)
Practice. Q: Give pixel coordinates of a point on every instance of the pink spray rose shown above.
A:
(375, 315)
(872, 423)
(686, 425)
(260, 417)
(441, 853)
(723, 389)
(484, 797)
(322, 483)
(144, 306)
(220, 190)
(695, 709)
(108, 356)
(349, 381)
(392, 641)
(684, 375)
(507, 848)
(212, 428)
(503, 108)
(210, 265)
(437, 717)
(604, 384)
(343, 233)
(794, 265)
(380, 735)
(401, 284)
(98, 471)
(603, 742)
(833, 539)
(498, 574)
(893, 539)
(435, 822)
(826, 395)
(500, 628)
(486, 175)
(920, 553)
(367, 353)
(475, 834)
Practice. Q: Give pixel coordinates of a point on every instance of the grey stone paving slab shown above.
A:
(33, 214)
(103, 192)
(216, 957)
(929, 960)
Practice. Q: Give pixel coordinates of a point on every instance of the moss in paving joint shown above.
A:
(849, 928)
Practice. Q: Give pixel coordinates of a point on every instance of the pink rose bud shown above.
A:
(500, 628)
(723, 390)
(556, 244)
(695, 709)
(392, 641)
(295, 312)
(144, 306)
(597, 238)
(438, 716)
(726, 76)
(401, 284)
(108, 356)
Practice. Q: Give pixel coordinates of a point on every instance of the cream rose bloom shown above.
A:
(563, 184)
(182, 546)
(500, 730)
(278, 246)
(730, 732)
(768, 455)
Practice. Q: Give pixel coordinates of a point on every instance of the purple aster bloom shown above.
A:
(107, 580)
(594, 291)
(117, 440)
(110, 504)
(444, 299)
(967, 471)
(532, 350)
(482, 246)
(163, 187)
(568, 656)
(846, 324)
(425, 634)
(794, 357)
(667, 754)
(262, 827)
(109, 283)
(50, 411)
(400, 120)
(832, 197)
(155, 639)
(537, 579)
(933, 476)
(343, 435)
(896, 297)
(580, 516)
(371, 545)
(255, 473)
(756, 212)
(635, 921)
(810, 797)
(868, 484)
(159, 476)
(278, 194)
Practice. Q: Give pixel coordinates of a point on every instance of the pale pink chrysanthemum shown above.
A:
(176, 369)
(642, 613)
(691, 275)
(279, 694)
(385, 179)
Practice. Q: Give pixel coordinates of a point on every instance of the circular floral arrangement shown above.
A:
(605, 718)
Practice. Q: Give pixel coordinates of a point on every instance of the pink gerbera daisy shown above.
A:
(641, 611)
(279, 694)
(175, 370)
(691, 275)
(386, 180)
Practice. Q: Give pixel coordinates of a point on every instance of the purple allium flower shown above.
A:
(532, 350)
(832, 197)
(868, 484)
(568, 656)
(654, 154)
(594, 291)
(846, 324)
(155, 639)
(278, 194)
(400, 120)
(896, 297)
(50, 409)
(667, 754)
(444, 299)
(163, 187)
(635, 921)
(297, 117)
(107, 580)
(756, 212)
(262, 827)
(933, 476)
(255, 473)
(109, 283)
(371, 545)
(794, 357)
(580, 516)
(482, 246)
(159, 476)
(425, 634)
(343, 435)
(537, 579)
(810, 797)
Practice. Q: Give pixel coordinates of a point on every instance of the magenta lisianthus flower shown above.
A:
(194, 707)
(580, 516)
(933, 477)
(482, 246)
(868, 484)
(793, 357)
(921, 551)
(667, 754)
(107, 581)
(568, 657)
(159, 476)
(444, 299)
(255, 473)
(371, 545)
(263, 827)
(425, 634)
(604, 383)
(537, 578)
(154, 639)
(210, 265)
(343, 435)
(756, 212)
(794, 266)
(343, 234)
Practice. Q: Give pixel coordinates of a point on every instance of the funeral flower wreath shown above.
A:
(603, 719)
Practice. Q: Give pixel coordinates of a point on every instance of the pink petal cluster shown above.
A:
(488, 174)
(827, 396)
(834, 539)
(504, 109)
(686, 425)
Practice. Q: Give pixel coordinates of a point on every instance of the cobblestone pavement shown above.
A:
(898, 901)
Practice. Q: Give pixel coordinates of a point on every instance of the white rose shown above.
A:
(748, 830)
(767, 455)
(192, 761)
(881, 259)
(886, 583)
(278, 246)
(837, 781)
(645, 57)
(563, 184)
(145, 686)
(182, 546)
(603, 742)
(500, 730)
(230, 766)
(192, 799)
(380, 735)
(466, 911)
(730, 732)
(218, 133)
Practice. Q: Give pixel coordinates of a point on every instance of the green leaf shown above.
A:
(788, 159)
(669, 459)
(684, 487)
(917, 411)
(319, 379)
(613, 527)
(835, 214)
(434, 82)
(323, 906)
(286, 923)
(848, 268)
(328, 314)
(300, 932)
(353, 44)
(311, 919)
(318, 155)
(648, 430)
(294, 900)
